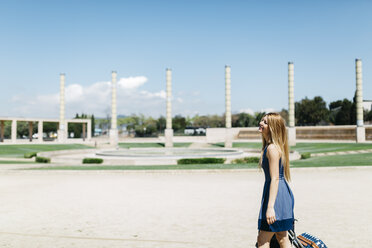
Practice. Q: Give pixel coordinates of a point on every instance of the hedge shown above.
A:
(30, 155)
(246, 160)
(42, 160)
(201, 161)
(92, 161)
(305, 155)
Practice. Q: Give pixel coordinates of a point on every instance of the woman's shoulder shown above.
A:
(272, 150)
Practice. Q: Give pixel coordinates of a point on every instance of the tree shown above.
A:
(353, 111)
(208, 121)
(200, 121)
(285, 115)
(77, 128)
(243, 120)
(341, 112)
(179, 123)
(130, 122)
(23, 128)
(50, 127)
(368, 115)
(161, 124)
(93, 123)
(258, 117)
(216, 121)
(7, 129)
(311, 111)
(151, 126)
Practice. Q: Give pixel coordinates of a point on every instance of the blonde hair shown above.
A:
(278, 136)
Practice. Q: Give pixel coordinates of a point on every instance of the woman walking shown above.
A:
(276, 213)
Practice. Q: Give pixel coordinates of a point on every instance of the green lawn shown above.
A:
(150, 145)
(16, 162)
(248, 145)
(329, 147)
(253, 145)
(336, 160)
(324, 161)
(17, 151)
(309, 147)
(152, 167)
(364, 159)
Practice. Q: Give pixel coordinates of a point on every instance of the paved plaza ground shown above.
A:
(58, 209)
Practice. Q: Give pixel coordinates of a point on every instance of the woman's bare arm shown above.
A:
(273, 157)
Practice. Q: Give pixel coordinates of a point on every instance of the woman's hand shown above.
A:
(270, 215)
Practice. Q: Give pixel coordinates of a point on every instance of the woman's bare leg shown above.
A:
(283, 239)
(264, 238)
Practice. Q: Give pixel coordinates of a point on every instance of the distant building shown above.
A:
(195, 131)
(97, 131)
(367, 105)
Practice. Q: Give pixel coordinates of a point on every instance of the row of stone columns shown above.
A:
(13, 134)
(360, 129)
(62, 131)
(291, 106)
(2, 126)
(114, 135)
(228, 134)
(168, 132)
(13, 137)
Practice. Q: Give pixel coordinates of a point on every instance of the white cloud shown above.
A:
(247, 111)
(161, 94)
(132, 98)
(268, 110)
(94, 98)
(74, 93)
(132, 82)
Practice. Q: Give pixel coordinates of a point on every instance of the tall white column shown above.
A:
(89, 134)
(30, 130)
(114, 136)
(2, 125)
(14, 131)
(291, 106)
(360, 129)
(228, 134)
(40, 131)
(168, 130)
(62, 125)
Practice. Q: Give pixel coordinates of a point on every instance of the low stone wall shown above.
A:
(369, 133)
(304, 133)
(326, 133)
(215, 135)
(331, 133)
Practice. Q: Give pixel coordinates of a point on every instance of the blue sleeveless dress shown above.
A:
(284, 202)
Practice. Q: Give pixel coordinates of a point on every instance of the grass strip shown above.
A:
(308, 147)
(363, 159)
(18, 151)
(16, 162)
(152, 145)
(151, 167)
(330, 147)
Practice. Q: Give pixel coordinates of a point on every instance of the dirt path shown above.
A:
(198, 209)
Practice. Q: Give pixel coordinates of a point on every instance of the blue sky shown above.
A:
(140, 39)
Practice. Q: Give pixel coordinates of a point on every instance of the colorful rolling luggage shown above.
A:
(309, 241)
(304, 240)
